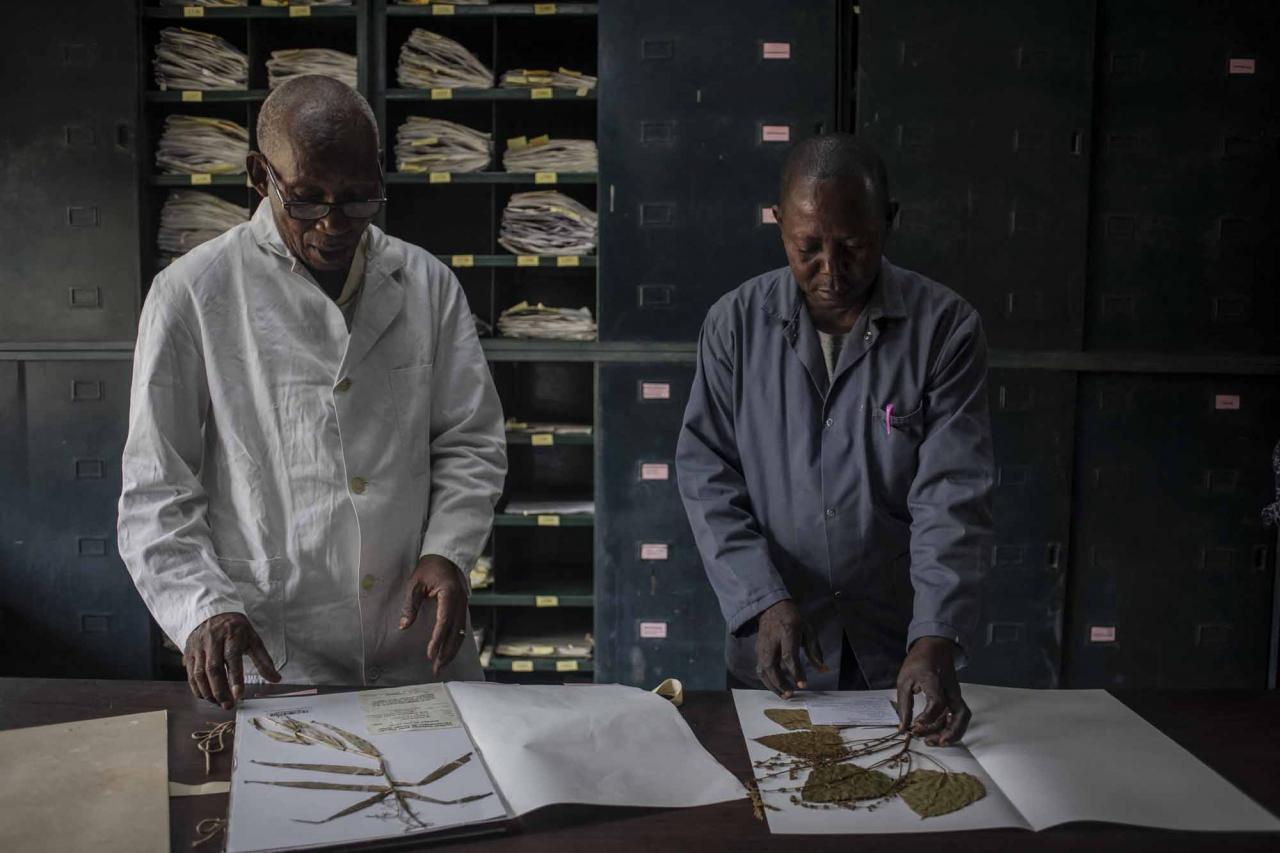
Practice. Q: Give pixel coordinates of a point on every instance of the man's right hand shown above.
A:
(779, 638)
(215, 670)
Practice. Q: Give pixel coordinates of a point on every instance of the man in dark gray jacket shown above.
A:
(835, 459)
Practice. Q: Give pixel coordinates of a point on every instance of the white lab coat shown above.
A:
(257, 480)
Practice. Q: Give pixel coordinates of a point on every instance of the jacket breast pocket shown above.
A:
(894, 442)
(411, 388)
(261, 585)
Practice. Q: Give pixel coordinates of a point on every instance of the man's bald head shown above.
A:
(837, 155)
(315, 114)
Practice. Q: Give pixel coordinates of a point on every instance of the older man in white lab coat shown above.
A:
(315, 443)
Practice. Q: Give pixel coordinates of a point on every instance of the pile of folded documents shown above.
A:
(547, 223)
(450, 2)
(189, 59)
(436, 145)
(204, 2)
(287, 64)
(431, 61)
(544, 154)
(201, 145)
(190, 218)
(515, 425)
(554, 644)
(550, 324)
(532, 78)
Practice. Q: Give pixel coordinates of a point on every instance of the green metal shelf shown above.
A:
(503, 10)
(547, 178)
(239, 180)
(206, 96)
(512, 349)
(504, 519)
(234, 13)
(471, 94)
(498, 664)
(544, 599)
(552, 440)
(545, 261)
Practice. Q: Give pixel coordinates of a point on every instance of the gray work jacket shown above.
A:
(867, 498)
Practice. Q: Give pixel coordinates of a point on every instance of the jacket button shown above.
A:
(358, 485)
(367, 582)
(831, 513)
(344, 385)
(375, 672)
(837, 594)
(830, 421)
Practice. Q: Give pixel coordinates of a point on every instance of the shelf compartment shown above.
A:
(507, 519)
(197, 96)
(474, 94)
(503, 10)
(543, 178)
(499, 664)
(528, 261)
(195, 14)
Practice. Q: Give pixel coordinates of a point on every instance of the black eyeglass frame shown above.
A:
(326, 207)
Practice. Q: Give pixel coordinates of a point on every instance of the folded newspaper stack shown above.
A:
(547, 223)
(306, 2)
(555, 644)
(451, 2)
(204, 2)
(431, 61)
(532, 78)
(201, 145)
(542, 154)
(189, 59)
(287, 64)
(436, 145)
(190, 218)
(550, 324)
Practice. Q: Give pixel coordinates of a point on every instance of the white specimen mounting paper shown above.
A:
(597, 744)
(849, 708)
(993, 810)
(268, 817)
(1075, 755)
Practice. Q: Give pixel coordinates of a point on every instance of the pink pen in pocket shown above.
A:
(888, 419)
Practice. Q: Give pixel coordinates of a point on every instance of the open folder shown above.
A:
(454, 759)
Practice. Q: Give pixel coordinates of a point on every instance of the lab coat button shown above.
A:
(344, 385)
(837, 594)
(375, 672)
(830, 421)
(367, 582)
(358, 485)
(831, 513)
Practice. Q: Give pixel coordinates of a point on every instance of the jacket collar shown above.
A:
(265, 233)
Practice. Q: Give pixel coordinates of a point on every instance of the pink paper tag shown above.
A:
(1242, 66)
(775, 50)
(653, 630)
(767, 217)
(1102, 634)
(775, 133)
(653, 550)
(1227, 402)
(655, 391)
(655, 471)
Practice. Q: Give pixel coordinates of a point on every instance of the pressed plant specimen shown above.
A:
(386, 791)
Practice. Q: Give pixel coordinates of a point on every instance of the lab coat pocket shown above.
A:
(262, 584)
(411, 387)
(894, 441)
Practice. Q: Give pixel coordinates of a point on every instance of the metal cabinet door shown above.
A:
(68, 177)
(703, 102)
(983, 121)
(656, 615)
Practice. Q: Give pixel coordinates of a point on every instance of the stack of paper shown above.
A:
(547, 223)
(204, 2)
(556, 507)
(514, 425)
(550, 324)
(532, 78)
(451, 2)
(286, 64)
(188, 59)
(549, 645)
(190, 218)
(482, 572)
(306, 2)
(430, 61)
(436, 145)
(201, 145)
(543, 154)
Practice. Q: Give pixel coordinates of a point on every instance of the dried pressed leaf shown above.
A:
(792, 719)
(445, 770)
(468, 799)
(325, 786)
(355, 740)
(325, 768)
(312, 732)
(286, 736)
(931, 793)
(363, 804)
(809, 744)
(842, 783)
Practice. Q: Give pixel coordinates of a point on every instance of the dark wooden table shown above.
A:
(1237, 734)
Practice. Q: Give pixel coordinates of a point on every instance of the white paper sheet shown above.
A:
(1075, 755)
(597, 744)
(849, 708)
(415, 737)
(993, 810)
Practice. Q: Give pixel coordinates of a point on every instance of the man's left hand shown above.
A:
(930, 668)
(440, 579)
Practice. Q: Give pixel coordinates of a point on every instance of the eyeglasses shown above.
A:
(312, 210)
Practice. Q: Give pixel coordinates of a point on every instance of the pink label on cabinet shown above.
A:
(1102, 633)
(653, 630)
(655, 391)
(776, 50)
(767, 217)
(1227, 402)
(1242, 66)
(653, 550)
(775, 133)
(655, 471)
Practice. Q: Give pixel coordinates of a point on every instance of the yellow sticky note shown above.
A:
(542, 439)
(464, 260)
(439, 178)
(517, 142)
(299, 11)
(201, 179)
(442, 9)
(540, 140)
(567, 261)
(546, 601)
(544, 178)
(566, 666)
(441, 94)
(548, 521)
(582, 92)
(193, 11)
(540, 94)
(527, 260)
(194, 96)
(544, 8)
(522, 666)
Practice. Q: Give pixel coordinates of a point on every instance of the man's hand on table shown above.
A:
(930, 668)
(215, 649)
(438, 578)
(780, 636)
